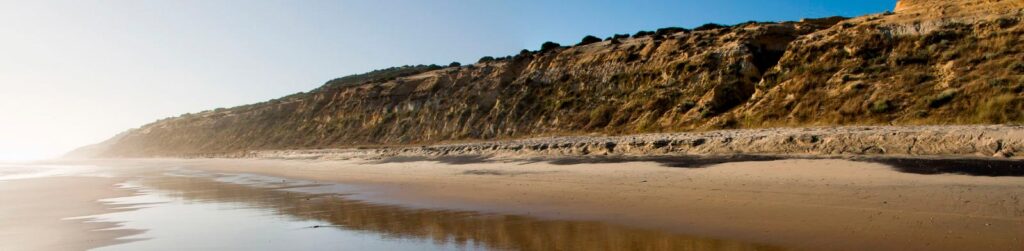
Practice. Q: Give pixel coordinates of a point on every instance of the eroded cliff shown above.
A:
(960, 65)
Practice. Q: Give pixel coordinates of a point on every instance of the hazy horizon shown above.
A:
(78, 72)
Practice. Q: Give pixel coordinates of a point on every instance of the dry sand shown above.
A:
(808, 204)
(33, 212)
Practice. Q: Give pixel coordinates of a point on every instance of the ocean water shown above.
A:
(30, 171)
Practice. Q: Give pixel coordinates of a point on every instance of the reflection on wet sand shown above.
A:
(441, 226)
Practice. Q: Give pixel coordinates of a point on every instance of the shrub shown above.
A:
(747, 23)
(912, 59)
(600, 117)
(709, 26)
(669, 31)
(880, 106)
(455, 64)
(685, 106)
(486, 59)
(998, 83)
(941, 35)
(1018, 67)
(589, 40)
(620, 36)
(632, 57)
(523, 54)
(1001, 109)
(381, 75)
(942, 99)
(549, 46)
(642, 34)
(914, 78)
(658, 104)
(706, 112)
(990, 55)
(1006, 22)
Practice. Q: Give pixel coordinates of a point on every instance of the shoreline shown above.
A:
(717, 184)
(858, 205)
(53, 213)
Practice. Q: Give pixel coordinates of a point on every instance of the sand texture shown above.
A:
(33, 213)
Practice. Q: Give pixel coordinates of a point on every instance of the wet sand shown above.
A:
(33, 212)
(795, 203)
(288, 214)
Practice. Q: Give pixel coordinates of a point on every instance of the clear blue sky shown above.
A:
(79, 71)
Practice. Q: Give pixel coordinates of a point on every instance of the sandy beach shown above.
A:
(512, 125)
(813, 204)
(33, 213)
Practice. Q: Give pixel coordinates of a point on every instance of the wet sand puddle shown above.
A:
(192, 210)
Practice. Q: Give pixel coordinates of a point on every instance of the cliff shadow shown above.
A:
(449, 159)
(682, 161)
(962, 166)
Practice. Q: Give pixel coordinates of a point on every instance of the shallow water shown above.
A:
(190, 211)
(174, 222)
(31, 171)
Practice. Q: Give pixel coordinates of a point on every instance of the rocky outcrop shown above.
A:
(930, 62)
(947, 141)
(940, 9)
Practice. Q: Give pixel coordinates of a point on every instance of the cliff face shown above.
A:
(957, 8)
(905, 68)
(902, 68)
